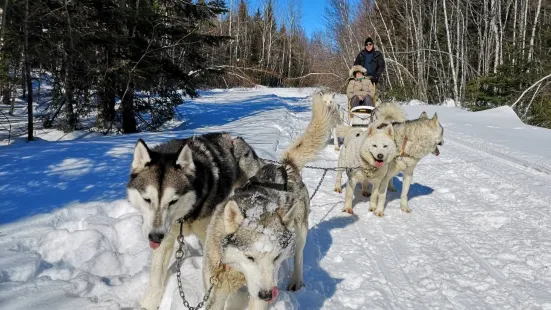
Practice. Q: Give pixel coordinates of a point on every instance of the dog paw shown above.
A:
(371, 209)
(379, 213)
(337, 148)
(338, 190)
(348, 210)
(405, 209)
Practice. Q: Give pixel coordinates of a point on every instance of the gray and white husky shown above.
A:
(415, 139)
(264, 223)
(183, 179)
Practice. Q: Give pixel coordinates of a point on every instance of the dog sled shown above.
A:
(359, 116)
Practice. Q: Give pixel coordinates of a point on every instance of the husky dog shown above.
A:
(183, 179)
(416, 139)
(367, 156)
(264, 223)
(385, 113)
(337, 116)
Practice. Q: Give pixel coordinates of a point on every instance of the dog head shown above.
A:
(161, 187)
(249, 163)
(379, 147)
(436, 133)
(328, 99)
(258, 238)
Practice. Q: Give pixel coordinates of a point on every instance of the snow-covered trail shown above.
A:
(479, 236)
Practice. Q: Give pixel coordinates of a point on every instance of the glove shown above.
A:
(374, 79)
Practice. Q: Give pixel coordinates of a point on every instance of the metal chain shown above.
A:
(325, 169)
(179, 257)
(319, 184)
(314, 167)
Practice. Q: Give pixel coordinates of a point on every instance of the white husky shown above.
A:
(367, 156)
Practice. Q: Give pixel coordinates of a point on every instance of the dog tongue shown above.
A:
(275, 293)
(154, 245)
(379, 164)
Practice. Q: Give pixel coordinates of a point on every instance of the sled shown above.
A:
(360, 116)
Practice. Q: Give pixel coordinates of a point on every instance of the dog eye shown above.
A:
(247, 154)
(172, 202)
(147, 200)
(277, 257)
(250, 258)
(385, 145)
(374, 145)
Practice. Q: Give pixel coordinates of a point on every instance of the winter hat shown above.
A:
(368, 40)
(354, 69)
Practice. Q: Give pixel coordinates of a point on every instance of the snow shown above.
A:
(479, 235)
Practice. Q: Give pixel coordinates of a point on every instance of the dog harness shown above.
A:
(277, 186)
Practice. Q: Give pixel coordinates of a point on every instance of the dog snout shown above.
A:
(265, 295)
(156, 237)
(380, 156)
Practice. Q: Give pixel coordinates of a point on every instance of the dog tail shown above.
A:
(389, 112)
(315, 137)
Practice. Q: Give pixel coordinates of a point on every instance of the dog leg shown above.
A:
(257, 304)
(408, 176)
(381, 197)
(365, 188)
(335, 139)
(338, 182)
(349, 196)
(159, 269)
(377, 201)
(296, 280)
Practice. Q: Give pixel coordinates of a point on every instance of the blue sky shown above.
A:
(311, 10)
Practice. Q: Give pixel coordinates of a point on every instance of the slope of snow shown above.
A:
(479, 235)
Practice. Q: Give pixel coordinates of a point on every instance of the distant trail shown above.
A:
(510, 159)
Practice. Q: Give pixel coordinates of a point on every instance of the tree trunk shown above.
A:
(531, 51)
(106, 98)
(493, 11)
(450, 53)
(515, 8)
(128, 120)
(30, 127)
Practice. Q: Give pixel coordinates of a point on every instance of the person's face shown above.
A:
(359, 75)
(369, 47)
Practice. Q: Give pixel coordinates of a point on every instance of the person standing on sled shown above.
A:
(360, 90)
(371, 60)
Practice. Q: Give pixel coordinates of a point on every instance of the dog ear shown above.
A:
(232, 217)
(185, 158)
(424, 115)
(141, 155)
(370, 130)
(389, 130)
(435, 119)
